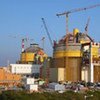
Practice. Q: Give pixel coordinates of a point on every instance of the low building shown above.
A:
(29, 81)
(9, 79)
(57, 86)
(25, 69)
(32, 87)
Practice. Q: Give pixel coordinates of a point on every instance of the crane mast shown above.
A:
(87, 25)
(47, 32)
(75, 10)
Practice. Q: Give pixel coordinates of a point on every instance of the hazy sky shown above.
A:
(22, 18)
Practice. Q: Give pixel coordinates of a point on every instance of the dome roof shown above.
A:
(33, 48)
(85, 37)
(80, 36)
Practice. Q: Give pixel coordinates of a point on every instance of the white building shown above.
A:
(29, 81)
(25, 68)
(56, 86)
(32, 87)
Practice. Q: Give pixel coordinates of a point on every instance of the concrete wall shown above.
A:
(56, 74)
(73, 69)
(53, 75)
(96, 73)
(85, 74)
(61, 74)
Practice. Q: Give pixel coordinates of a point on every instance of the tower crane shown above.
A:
(87, 25)
(24, 41)
(45, 26)
(43, 38)
(73, 11)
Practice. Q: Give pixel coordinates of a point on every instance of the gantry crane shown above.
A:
(75, 10)
(47, 32)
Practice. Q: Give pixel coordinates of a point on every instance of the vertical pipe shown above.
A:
(91, 65)
(92, 72)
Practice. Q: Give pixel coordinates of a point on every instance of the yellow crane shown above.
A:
(73, 11)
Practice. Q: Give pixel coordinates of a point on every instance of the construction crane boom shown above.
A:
(87, 25)
(47, 32)
(75, 10)
(43, 38)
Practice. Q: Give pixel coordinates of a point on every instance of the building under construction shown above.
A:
(31, 59)
(78, 58)
(9, 79)
(32, 54)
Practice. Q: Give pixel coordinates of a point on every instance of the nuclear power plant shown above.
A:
(76, 58)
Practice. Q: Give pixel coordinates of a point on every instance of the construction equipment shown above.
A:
(75, 10)
(47, 32)
(43, 38)
(24, 41)
(87, 24)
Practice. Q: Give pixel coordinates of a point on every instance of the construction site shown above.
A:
(76, 57)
